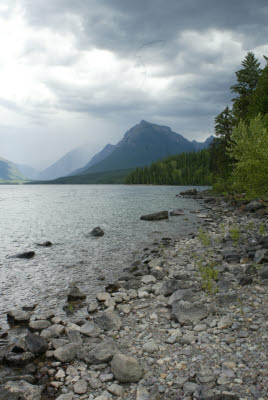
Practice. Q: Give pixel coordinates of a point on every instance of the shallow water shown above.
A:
(65, 214)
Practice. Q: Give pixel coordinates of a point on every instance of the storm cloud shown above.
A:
(87, 70)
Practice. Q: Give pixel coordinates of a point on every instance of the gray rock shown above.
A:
(17, 316)
(126, 369)
(47, 243)
(36, 344)
(264, 272)
(108, 321)
(175, 213)
(117, 390)
(53, 331)
(254, 206)
(39, 325)
(261, 256)
(26, 255)
(67, 352)
(150, 347)
(155, 216)
(182, 294)
(189, 388)
(18, 359)
(22, 390)
(227, 299)
(189, 192)
(101, 353)
(80, 387)
(231, 255)
(75, 294)
(148, 279)
(67, 396)
(74, 337)
(185, 312)
(97, 232)
(169, 287)
(90, 329)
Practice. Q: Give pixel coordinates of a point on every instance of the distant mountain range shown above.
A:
(141, 145)
(9, 171)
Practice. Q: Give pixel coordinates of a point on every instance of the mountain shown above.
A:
(67, 164)
(142, 145)
(105, 152)
(28, 171)
(202, 145)
(9, 171)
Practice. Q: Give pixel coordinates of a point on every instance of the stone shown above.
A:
(261, 256)
(245, 280)
(182, 294)
(36, 344)
(155, 216)
(117, 390)
(59, 343)
(103, 296)
(108, 321)
(169, 287)
(90, 329)
(67, 352)
(225, 322)
(26, 255)
(67, 396)
(53, 331)
(101, 353)
(185, 312)
(22, 390)
(80, 387)
(75, 294)
(142, 393)
(74, 337)
(47, 243)
(92, 307)
(231, 255)
(18, 359)
(227, 299)
(254, 206)
(39, 325)
(175, 213)
(97, 232)
(17, 316)
(189, 192)
(126, 369)
(150, 347)
(264, 272)
(189, 388)
(148, 279)
(94, 383)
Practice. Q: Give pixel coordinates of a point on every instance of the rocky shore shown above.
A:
(187, 320)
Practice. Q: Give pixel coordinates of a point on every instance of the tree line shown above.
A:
(182, 169)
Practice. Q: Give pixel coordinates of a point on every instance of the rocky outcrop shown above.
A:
(155, 216)
(97, 232)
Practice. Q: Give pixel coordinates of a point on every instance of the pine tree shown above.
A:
(224, 123)
(259, 99)
(247, 80)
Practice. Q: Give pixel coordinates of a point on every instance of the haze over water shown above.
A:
(65, 215)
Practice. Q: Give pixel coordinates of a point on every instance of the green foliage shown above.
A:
(249, 148)
(224, 123)
(247, 80)
(235, 234)
(259, 99)
(206, 267)
(204, 237)
(262, 230)
(182, 169)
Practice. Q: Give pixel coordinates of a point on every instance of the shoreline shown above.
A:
(169, 329)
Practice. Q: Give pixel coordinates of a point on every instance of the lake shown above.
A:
(65, 215)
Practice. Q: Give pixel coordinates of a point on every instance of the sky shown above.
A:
(85, 71)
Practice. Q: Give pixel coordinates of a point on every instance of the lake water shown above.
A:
(65, 215)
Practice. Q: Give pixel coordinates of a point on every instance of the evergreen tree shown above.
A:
(247, 80)
(224, 123)
(259, 100)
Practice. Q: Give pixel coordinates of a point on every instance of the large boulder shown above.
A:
(155, 216)
(26, 254)
(97, 232)
(90, 329)
(36, 344)
(188, 313)
(17, 316)
(47, 243)
(21, 390)
(261, 256)
(101, 353)
(126, 369)
(175, 213)
(108, 321)
(254, 206)
(18, 359)
(75, 294)
(169, 287)
(189, 192)
(67, 352)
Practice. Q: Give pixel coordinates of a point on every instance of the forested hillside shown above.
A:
(182, 169)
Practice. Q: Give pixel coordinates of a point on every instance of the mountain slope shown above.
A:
(28, 171)
(141, 145)
(202, 145)
(67, 164)
(105, 152)
(9, 171)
